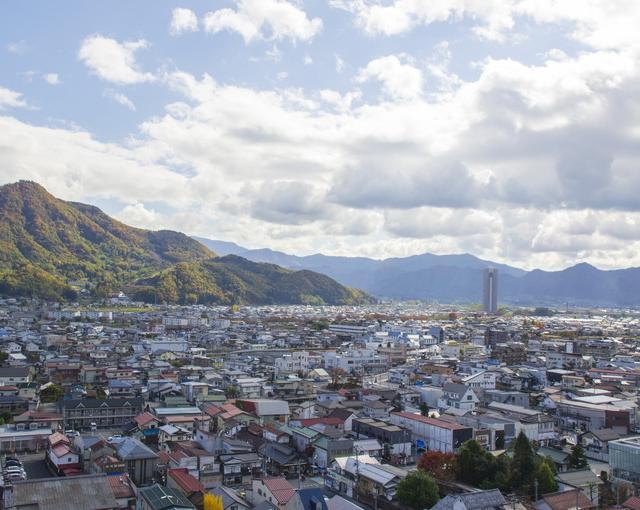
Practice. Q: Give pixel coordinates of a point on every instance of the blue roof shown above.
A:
(315, 496)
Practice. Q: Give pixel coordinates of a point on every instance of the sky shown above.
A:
(509, 129)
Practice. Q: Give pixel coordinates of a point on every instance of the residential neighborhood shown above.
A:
(315, 407)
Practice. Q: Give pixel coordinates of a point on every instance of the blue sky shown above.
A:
(504, 128)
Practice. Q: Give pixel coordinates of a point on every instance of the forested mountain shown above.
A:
(49, 248)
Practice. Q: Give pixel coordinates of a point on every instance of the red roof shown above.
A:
(633, 503)
(185, 481)
(567, 500)
(121, 487)
(308, 422)
(144, 418)
(57, 437)
(61, 450)
(281, 489)
(430, 421)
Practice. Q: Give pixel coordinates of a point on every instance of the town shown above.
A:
(387, 406)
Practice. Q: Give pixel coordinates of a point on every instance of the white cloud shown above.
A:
(113, 61)
(18, 47)
(120, 98)
(529, 163)
(399, 80)
(307, 60)
(340, 63)
(264, 19)
(398, 16)
(11, 99)
(51, 78)
(183, 20)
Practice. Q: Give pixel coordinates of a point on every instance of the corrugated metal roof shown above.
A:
(88, 492)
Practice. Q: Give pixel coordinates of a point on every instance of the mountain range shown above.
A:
(458, 278)
(49, 248)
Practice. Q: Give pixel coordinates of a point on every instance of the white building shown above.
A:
(356, 360)
(297, 361)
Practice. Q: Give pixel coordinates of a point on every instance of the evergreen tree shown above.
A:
(523, 464)
(546, 481)
(475, 465)
(424, 409)
(418, 490)
(577, 459)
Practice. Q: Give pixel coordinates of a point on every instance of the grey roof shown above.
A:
(95, 403)
(132, 449)
(479, 500)
(87, 492)
(459, 389)
(229, 497)
(14, 371)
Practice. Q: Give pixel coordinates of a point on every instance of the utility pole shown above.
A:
(535, 486)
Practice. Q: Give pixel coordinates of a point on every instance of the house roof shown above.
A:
(567, 500)
(281, 489)
(430, 421)
(185, 481)
(478, 500)
(164, 498)
(579, 478)
(121, 487)
(86, 492)
(132, 449)
(144, 418)
(633, 503)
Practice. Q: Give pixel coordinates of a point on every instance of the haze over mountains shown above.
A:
(458, 278)
(49, 248)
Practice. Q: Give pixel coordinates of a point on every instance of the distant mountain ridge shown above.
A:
(458, 278)
(46, 244)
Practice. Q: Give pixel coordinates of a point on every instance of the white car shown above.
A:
(14, 477)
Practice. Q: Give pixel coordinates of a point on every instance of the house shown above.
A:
(396, 440)
(157, 497)
(10, 376)
(457, 396)
(191, 487)
(86, 492)
(266, 410)
(62, 456)
(140, 461)
(281, 459)
(377, 409)
(171, 433)
(277, 491)
(596, 443)
(477, 500)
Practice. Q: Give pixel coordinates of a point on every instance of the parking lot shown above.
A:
(34, 465)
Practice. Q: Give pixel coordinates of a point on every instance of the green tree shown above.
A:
(577, 459)
(546, 481)
(424, 409)
(51, 393)
(475, 465)
(418, 490)
(523, 464)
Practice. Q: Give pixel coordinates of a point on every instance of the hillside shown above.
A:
(47, 243)
(232, 279)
